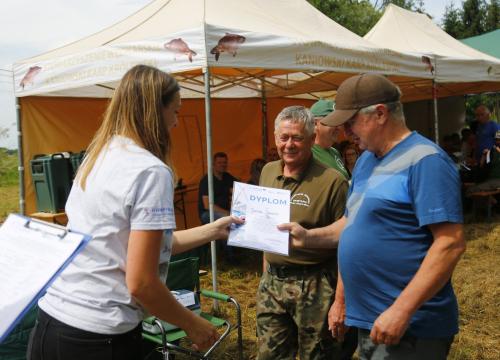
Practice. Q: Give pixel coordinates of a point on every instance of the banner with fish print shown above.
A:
(243, 49)
(182, 51)
(218, 47)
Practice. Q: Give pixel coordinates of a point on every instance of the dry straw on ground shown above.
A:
(476, 283)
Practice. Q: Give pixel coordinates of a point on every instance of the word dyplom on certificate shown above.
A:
(264, 208)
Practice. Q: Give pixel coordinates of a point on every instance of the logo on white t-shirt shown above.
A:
(164, 211)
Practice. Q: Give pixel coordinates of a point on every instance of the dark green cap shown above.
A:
(322, 107)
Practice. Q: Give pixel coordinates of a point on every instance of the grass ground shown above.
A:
(9, 192)
(476, 281)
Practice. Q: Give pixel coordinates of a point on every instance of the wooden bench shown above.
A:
(57, 218)
(482, 196)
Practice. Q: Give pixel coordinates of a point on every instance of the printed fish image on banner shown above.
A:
(427, 61)
(179, 46)
(228, 43)
(30, 75)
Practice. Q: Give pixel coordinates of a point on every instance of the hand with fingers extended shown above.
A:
(390, 326)
(297, 234)
(202, 334)
(336, 318)
(221, 226)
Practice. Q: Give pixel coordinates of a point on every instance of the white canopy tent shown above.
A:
(216, 49)
(240, 41)
(451, 60)
(457, 68)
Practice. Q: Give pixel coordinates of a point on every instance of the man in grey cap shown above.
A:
(401, 235)
(323, 149)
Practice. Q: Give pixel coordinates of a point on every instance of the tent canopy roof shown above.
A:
(488, 43)
(244, 43)
(451, 60)
(161, 17)
(411, 31)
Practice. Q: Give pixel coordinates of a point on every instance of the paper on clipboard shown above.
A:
(264, 208)
(32, 254)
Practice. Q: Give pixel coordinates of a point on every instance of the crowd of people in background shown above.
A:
(475, 153)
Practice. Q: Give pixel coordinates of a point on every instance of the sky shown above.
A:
(31, 27)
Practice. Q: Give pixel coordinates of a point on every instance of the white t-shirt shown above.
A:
(128, 189)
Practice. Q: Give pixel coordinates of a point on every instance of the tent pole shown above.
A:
(208, 123)
(20, 159)
(436, 118)
(264, 119)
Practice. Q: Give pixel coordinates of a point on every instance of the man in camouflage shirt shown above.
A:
(296, 291)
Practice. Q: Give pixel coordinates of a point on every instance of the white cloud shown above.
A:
(30, 27)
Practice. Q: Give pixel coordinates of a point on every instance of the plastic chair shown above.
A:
(184, 274)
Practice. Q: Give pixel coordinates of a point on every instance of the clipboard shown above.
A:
(32, 255)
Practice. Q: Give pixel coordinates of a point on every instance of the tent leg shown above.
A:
(208, 122)
(20, 158)
(264, 119)
(436, 118)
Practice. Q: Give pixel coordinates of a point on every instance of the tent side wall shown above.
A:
(420, 116)
(51, 124)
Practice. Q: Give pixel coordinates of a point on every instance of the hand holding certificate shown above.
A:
(264, 208)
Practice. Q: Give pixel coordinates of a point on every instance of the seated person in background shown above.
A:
(455, 142)
(468, 147)
(452, 147)
(223, 188)
(490, 166)
(350, 155)
(272, 154)
(468, 163)
(255, 170)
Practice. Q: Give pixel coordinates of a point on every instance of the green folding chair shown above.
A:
(184, 274)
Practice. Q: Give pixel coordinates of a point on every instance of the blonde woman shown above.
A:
(123, 196)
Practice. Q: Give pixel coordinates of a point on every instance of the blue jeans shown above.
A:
(409, 348)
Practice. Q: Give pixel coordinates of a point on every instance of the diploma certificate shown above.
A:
(264, 208)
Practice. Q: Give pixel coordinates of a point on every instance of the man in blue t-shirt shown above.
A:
(485, 132)
(401, 235)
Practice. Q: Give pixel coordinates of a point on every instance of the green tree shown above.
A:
(473, 16)
(359, 16)
(452, 21)
(405, 4)
(493, 16)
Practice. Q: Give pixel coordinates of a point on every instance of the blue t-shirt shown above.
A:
(391, 200)
(485, 135)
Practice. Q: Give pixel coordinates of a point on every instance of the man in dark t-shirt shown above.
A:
(223, 188)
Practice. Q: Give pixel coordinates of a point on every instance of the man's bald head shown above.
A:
(482, 114)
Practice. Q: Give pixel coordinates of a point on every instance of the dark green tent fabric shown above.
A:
(14, 346)
(488, 43)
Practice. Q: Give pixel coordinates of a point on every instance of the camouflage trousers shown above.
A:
(292, 316)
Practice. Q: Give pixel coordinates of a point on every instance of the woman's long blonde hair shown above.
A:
(135, 111)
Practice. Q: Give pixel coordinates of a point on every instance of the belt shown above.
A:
(284, 271)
